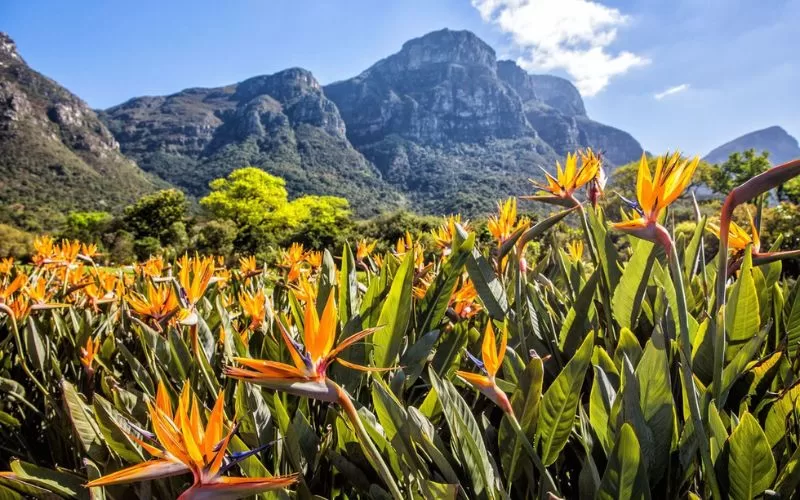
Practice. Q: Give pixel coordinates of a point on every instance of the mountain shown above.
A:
(782, 147)
(452, 127)
(554, 108)
(439, 126)
(282, 123)
(55, 154)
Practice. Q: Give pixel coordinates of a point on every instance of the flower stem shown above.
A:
(21, 352)
(605, 287)
(685, 350)
(366, 442)
(550, 484)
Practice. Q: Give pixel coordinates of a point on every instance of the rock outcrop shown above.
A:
(282, 123)
(554, 108)
(781, 146)
(55, 154)
(441, 126)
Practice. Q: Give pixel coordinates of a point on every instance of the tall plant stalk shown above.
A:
(605, 287)
(366, 443)
(685, 350)
(743, 193)
(21, 352)
(550, 484)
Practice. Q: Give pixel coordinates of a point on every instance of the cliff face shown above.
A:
(282, 123)
(440, 124)
(55, 154)
(440, 88)
(554, 108)
(782, 147)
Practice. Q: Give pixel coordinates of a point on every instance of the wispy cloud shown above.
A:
(573, 35)
(672, 90)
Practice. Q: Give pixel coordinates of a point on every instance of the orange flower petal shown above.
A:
(152, 469)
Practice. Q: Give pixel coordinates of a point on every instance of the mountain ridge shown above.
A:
(781, 145)
(55, 153)
(439, 126)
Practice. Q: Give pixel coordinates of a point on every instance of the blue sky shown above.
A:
(681, 73)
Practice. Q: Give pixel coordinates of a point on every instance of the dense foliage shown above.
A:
(467, 369)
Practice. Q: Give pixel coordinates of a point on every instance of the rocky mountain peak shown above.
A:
(285, 85)
(782, 147)
(557, 93)
(446, 46)
(441, 87)
(518, 79)
(8, 49)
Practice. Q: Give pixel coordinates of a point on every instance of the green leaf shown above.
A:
(92, 473)
(448, 352)
(348, 287)
(61, 483)
(789, 478)
(395, 422)
(601, 400)
(205, 338)
(625, 475)
(658, 409)
(693, 249)
(627, 345)
(736, 368)
(540, 227)
(302, 443)
(606, 251)
(751, 466)
(181, 358)
(9, 420)
(775, 423)
(488, 285)
(437, 298)
(792, 315)
(579, 315)
(414, 359)
(719, 434)
(327, 280)
(525, 402)
(140, 374)
(629, 294)
(36, 346)
(253, 413)
(84, 426)
(742, 315)
(443, 491)
(560, 402)
(395, 314)
(110, 423)
(14, 489)
(424, 433)
(467, 438)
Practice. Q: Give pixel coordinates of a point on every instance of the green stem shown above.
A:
(519, 283)
(21, 352)
(685, 350)
(550, 484)
(605, 287)
(366, 442)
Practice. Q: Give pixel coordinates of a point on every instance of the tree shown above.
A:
(88, 227)
(738, 168)
(247, 196)
(153, 215)
(257, 202)
(216, 237)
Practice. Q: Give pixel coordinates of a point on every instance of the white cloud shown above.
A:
(573, 35)
(672, 90)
